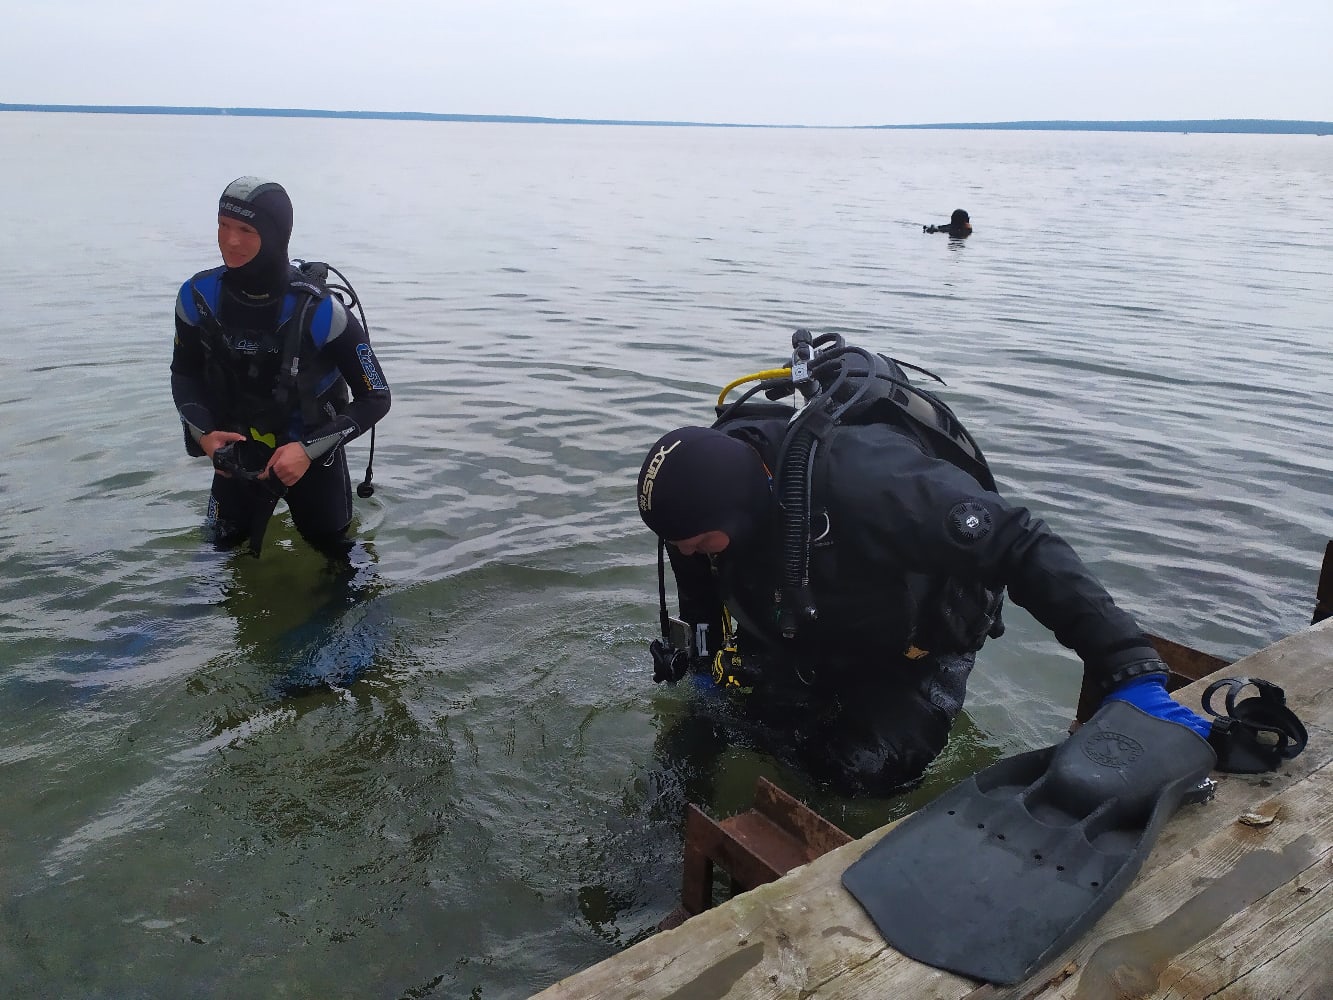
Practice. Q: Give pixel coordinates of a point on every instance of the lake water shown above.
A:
(1138, 333)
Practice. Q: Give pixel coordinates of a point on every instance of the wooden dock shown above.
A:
(1234, 903)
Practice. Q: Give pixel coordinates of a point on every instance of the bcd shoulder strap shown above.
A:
(309, 284)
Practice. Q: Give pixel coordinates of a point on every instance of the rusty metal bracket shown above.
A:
(778, 833)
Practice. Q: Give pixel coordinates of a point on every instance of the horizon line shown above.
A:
(1214, 125)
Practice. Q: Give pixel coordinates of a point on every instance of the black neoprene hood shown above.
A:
(695, 480)
(265, 206)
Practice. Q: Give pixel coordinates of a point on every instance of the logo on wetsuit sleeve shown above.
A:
(366, 356)
(968, 522)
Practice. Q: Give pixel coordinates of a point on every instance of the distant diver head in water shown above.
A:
(702, 490)
(959, 225)
(254, 228)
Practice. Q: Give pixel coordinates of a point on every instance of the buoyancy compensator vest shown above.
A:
(844, 385)
(284, 374)
(839, 384)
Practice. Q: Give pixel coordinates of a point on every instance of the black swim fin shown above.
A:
(1009, 867)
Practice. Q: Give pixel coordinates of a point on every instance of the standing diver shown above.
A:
(264, 356)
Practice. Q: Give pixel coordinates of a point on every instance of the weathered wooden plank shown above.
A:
(1284, 953)
(1277, 924)
(1208, 918)
(1300, 972)
(805, 936)
(794, 937)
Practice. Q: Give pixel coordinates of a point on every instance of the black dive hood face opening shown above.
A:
(696, 479)
(265, 206)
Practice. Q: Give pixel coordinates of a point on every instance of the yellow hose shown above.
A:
(770, 373)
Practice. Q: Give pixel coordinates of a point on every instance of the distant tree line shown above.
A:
(1247, 125)
(1243, 125)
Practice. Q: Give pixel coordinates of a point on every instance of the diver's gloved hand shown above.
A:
(1148, 693)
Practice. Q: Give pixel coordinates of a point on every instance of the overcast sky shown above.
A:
(812, 62)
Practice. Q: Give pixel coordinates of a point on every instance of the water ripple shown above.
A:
(1138, 335)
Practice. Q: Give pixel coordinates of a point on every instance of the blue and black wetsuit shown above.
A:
(226, 375)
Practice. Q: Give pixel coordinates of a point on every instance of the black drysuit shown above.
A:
(909, 557)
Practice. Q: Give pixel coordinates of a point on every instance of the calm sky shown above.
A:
(812, 62)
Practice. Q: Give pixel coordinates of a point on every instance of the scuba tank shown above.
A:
(312, 278)
(841, 384)
(838, 385)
